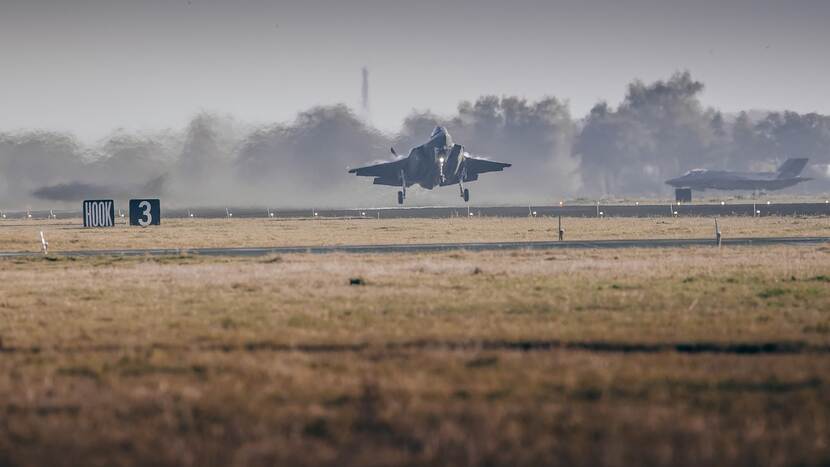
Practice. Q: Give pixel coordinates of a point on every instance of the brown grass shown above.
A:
(63, 235)
(514, 358)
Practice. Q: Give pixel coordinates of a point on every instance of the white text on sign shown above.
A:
(99, 213)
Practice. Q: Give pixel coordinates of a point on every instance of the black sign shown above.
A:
(145, 212)
(99, 213)
(683, 195)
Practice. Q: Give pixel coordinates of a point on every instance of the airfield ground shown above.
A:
(694, 356)
(67, 234)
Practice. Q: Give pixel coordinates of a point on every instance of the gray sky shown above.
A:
(93, 66)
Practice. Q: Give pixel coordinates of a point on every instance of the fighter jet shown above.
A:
(438, 162)
(701, 179)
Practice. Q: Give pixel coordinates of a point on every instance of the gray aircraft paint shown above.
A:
(703, 179)
(438, 162)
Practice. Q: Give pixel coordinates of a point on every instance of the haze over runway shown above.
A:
(164, 61)
(208, 103)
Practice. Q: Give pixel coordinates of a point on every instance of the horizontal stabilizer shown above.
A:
(387, 181)
(478, 166)
(791, 168)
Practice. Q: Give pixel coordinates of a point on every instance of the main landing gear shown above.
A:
(465, 193)
(402, 193)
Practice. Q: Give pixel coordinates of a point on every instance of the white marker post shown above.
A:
(44, 245)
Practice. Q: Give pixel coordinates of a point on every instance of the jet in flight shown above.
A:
(702, 179)
(438, 162)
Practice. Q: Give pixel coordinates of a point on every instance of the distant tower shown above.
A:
(365, 94)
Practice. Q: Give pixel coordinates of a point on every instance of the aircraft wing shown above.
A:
(475, 166)
(385, 170)
(386, 173)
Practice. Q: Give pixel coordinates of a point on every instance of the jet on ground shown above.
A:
(702, 179)
(438, 162)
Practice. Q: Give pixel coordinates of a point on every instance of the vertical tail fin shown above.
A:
(791, 168)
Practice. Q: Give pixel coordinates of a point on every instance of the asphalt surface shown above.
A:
(438, 247)
(611, 210)
(580, 210)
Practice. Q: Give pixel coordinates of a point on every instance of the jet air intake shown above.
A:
(452, 166)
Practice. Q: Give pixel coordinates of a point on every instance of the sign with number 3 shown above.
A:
(145, 212)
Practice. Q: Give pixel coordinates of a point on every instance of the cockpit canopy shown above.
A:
(437, 131)
(696, 172)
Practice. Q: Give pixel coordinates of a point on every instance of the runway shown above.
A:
(436, 247)
(431, 212)
(577, 210)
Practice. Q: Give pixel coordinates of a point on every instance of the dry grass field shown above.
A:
(617, 357)
(64, 235)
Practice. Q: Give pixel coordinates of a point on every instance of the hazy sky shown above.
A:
(93, 66)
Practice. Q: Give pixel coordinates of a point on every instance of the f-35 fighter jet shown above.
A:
(701, 179)
(438, 162)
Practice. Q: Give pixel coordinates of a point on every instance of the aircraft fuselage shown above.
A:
(702, 179)
(438, 162)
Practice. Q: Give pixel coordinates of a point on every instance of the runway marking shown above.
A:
(435, 247)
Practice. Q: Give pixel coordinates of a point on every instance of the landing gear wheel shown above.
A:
(466, 195)
(400, 197)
